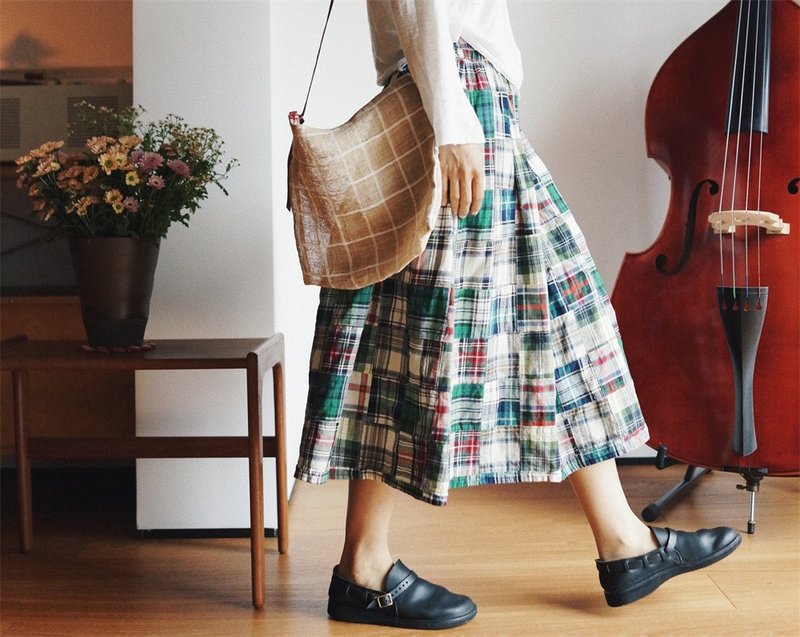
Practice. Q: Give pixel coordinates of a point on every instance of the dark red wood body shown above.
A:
(670, 324)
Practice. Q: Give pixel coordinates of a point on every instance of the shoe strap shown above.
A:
(661, 554)
(385, 600)
(671, 540)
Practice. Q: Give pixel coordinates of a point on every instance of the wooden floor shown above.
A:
(522, 552)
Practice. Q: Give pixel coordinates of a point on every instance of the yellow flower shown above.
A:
(114, 159)
(120, 160)
(132, 178)
(118, 207)
(106, 162)
(113, 196)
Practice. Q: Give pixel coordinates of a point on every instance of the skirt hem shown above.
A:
(635, 441)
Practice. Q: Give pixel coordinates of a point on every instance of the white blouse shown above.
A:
(421, 33)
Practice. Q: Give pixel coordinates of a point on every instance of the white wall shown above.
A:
(208, 62)
(241, 66)
(589, 65)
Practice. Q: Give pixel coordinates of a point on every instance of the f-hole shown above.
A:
(688, 235)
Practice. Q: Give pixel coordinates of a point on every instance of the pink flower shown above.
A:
(136, 156)
(156, 182)
(131, 204)
(179, 167)
(150, 161)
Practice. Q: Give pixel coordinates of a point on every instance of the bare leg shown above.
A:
(618, 533)
(403, 600)
(366, 558)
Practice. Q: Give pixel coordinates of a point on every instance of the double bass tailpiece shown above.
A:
(743, 322)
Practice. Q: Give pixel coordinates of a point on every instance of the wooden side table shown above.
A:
(20, 355)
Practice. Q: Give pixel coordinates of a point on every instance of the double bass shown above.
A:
(710, 312)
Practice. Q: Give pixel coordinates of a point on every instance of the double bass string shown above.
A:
(761, 45)
(725, 155)
(738, 143)
(749, 162)
(746, 60)
(765, 57)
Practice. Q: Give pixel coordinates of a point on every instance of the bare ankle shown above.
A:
(631, 543)
(369, 573)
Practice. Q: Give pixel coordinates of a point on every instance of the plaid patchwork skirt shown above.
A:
(494, 357)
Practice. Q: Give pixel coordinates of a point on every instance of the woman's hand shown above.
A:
(462, 177)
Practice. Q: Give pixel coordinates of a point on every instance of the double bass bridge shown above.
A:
(726, 221)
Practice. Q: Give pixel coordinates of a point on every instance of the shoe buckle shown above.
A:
(384, 601)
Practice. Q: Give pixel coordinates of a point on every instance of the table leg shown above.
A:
(256, 469)
(280, 458)
(19, 379)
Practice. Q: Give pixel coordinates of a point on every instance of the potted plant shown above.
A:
(116, 200)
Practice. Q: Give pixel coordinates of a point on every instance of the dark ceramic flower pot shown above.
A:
(114, 276)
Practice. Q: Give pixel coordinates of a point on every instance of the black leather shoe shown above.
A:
(410, 602)
(625, 581)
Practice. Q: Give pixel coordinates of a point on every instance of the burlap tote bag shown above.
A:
(365, 195)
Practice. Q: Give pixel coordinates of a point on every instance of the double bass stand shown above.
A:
(752, 477)
(693, 473)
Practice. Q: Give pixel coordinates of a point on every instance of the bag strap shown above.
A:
(296, 118)
(316, 62)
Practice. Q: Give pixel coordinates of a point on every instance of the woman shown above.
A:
(494, 357)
